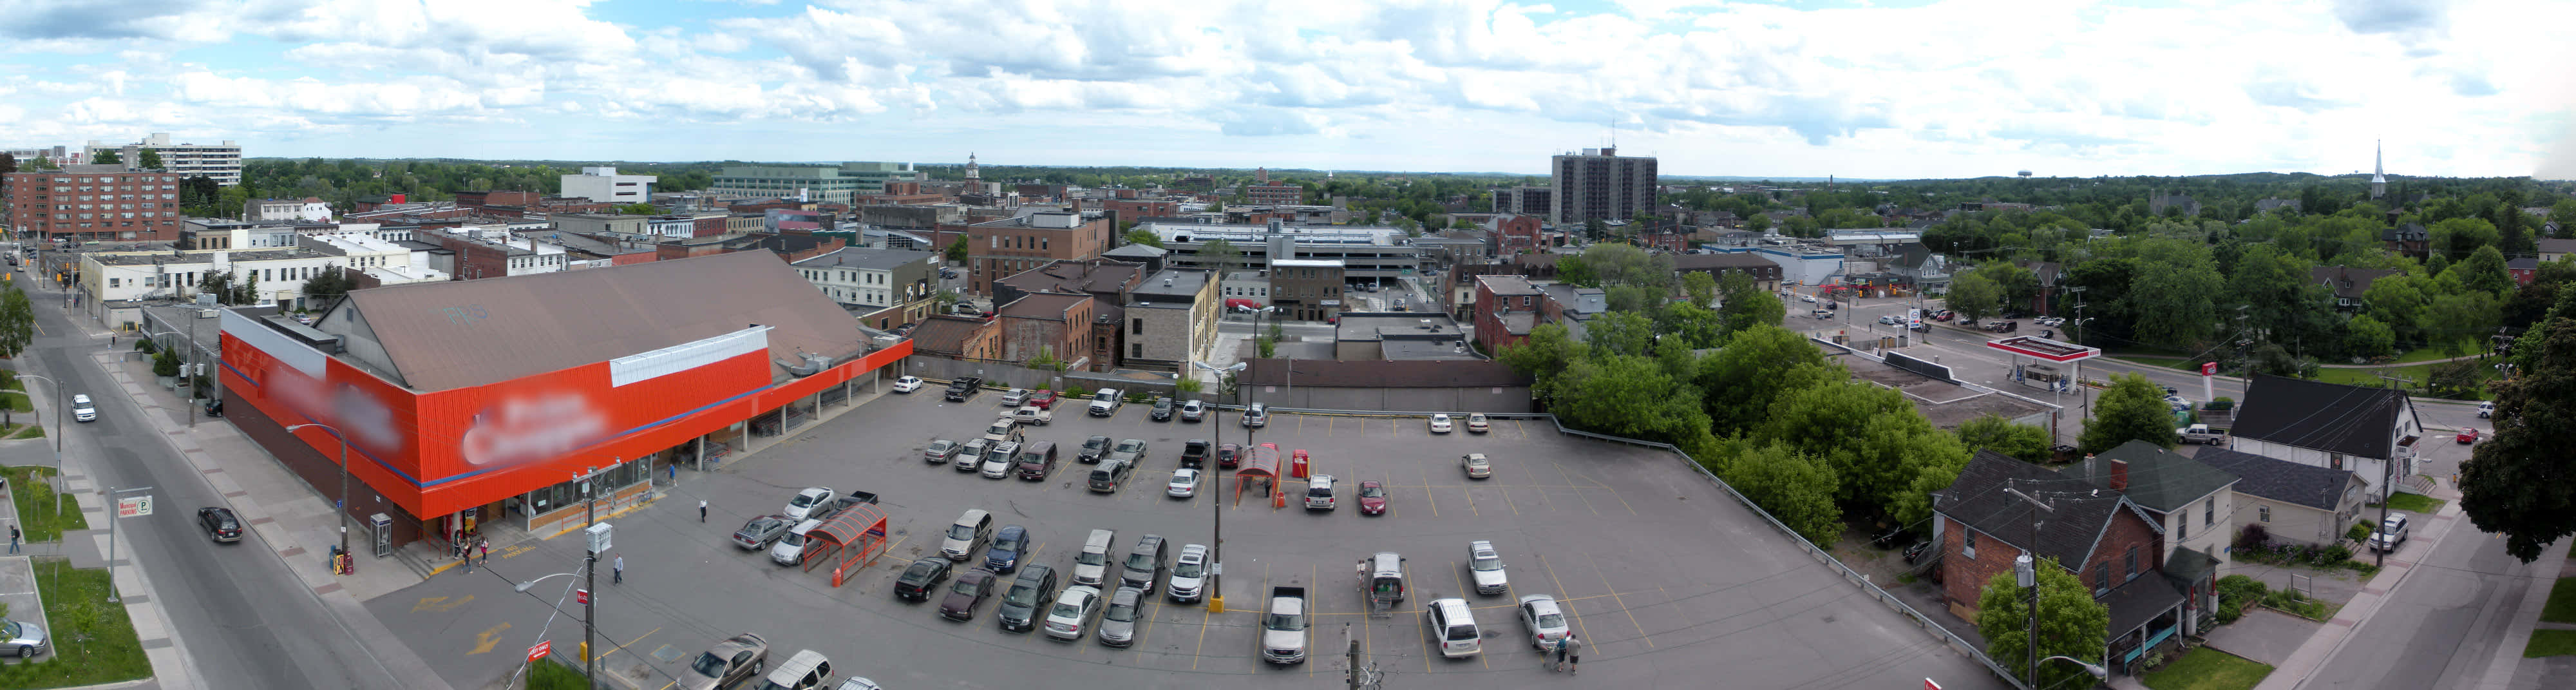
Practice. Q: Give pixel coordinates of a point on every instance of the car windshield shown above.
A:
(965, 585)
(1284, 621)
(999, 428)
(1462, 633)
(961, 531)
(1096, 442)
(1021, 594)
(1067, 609)
(1130, 446)
(1186, 569)
(1551, 621)
(1140, 560)
(921, 571)
(942, 447)
(803, 500)
(1372, 491)
(1164, 403)
(709, 665)
(1120, 612)
(1091, 558)
(792, 539)
(1486, 561)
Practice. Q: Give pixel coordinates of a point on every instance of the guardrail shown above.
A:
(1856, 578)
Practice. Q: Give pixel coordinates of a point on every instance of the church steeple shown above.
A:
(972, 175)
(2378, 170)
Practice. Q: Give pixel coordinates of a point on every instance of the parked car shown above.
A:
(23, 639)
(971, 455)
(1163, 408)
(1073, 612)
(802, 506)
(1189, 575)
(760, 532)
(1476, 465)
(1092, 449)
(2391, 534)
(806, 670)
(730, 662)
(1440, 424)
(1194, 453)
(1257, 416)
(1193, 411)
(1009, 545)
(2468, 434)
(1118, 622)
(968, 592)
(1185, 483)
(1228, 455)
(1485, 565)
(1544, 620)
(1019, 608)
(997, 462)
(1015, 398)
(1372, 498)
(1146, 563)
(790, 549)
(907, 384)
(2486, 409)
(1130, 451)
(968, 535)
(1453, 624)
(1476, 423)
(220, 524)
(1914, 554)
(940, 451)
(921, 577)
(1820, 314)
(1044, 400)
(1887, 320)
(964, 387)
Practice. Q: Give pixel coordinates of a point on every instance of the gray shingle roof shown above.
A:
(2078, 515)
(2281, 480)
(2336, 418)
(2159, 480)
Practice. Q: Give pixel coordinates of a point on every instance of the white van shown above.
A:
(968, 536)
(807, 670)
(790, 549)
(1319, 492)
(1092, 563)
(82, 410)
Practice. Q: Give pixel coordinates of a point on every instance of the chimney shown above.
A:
(2119, 475)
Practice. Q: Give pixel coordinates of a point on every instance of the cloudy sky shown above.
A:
(1867, 89)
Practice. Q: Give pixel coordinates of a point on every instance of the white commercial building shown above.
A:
(603, 185)
(220, 162)
(277, 275)
(307, 208)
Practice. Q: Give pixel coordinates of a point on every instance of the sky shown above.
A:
(1858, 89)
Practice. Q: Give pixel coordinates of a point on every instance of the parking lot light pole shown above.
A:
(1216, 550)
(344, 484)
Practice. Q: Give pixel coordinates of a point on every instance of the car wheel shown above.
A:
(24, 652)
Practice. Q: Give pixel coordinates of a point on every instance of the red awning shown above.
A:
(1244, 304)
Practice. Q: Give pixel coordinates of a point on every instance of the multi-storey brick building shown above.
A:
(1507, 307)
(1050, 325)
(1171, 319)
(1306, 289)
(92, 202)
(1001, 248)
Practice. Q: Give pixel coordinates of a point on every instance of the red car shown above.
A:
(1372, 498)
(2469, 435)
(1228, 455)
(1045, 400)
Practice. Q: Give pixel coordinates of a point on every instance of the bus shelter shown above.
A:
(850, 541)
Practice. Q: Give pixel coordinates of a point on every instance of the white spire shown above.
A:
(2378, 170)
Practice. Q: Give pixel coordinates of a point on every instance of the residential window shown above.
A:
(2182, 527)
(2132, 565)
(1971, 538)
(1136, 327)
(2208, 513)
(2101, 578)
(2263, 513)
(2334, 461)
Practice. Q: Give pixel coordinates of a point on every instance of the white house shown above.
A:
(867, 280)
(2371, 431)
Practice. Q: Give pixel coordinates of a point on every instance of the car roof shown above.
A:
(1008, 530)
(1530, 598)
(1126, 595)
(1035, 571)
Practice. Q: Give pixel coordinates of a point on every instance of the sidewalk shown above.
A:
(2294, 670)
(288, 515)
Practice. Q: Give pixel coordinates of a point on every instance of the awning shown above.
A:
(1244, 304)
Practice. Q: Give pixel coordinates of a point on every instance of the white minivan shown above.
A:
(82, 409)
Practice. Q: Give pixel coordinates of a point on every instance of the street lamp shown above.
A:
(2098, 671)
(1216, 551)
(589, 600)
(344, 484)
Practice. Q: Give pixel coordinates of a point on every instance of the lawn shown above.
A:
(2550, 643)
(2164, 362)
(2204, 668)
(94, 643)
(2413, 503)
(2562, 602)
(30, 488)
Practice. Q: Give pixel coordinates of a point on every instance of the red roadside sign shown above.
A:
(2208, 368)
(581, 596)
(1929, 685)
(541, 650)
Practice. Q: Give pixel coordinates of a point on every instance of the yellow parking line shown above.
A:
(1623, 604)
(1426, 493)
(639, 639)
(1507, 501)
(1471, 501)
(1578, 491)
(1144, 619)
(1314, 603)
(1204, 614)
(1560, 591)
(1416, 595)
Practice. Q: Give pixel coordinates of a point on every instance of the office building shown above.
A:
(221, 162)
(1527, 201)
(603, 185)
(1600, 183)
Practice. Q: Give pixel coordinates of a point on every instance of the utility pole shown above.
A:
(2387, 481)
(1354, 656)
(590, 571)
(2026, 572)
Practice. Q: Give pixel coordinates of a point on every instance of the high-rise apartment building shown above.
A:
(92, 202)
(603, 185)
(1599, 183)
(221, 162)
(1527, 201)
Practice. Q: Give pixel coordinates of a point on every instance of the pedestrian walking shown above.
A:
(1556, 654)
(13, 540)
(486, 545)
(702, 510)
(1573, 652)
(617, 571)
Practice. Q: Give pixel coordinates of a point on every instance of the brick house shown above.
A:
(958, 337)
(1765, 275)
(1507, 307)
(1056, 325)
(2115, 544)
(2188, 497)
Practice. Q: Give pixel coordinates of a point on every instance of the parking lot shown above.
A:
(1667, 581)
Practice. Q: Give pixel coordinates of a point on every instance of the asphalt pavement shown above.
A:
(242, 619)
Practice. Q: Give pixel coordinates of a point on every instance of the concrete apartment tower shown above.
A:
(1599, 183)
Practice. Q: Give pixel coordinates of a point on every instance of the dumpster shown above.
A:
(1297, 464)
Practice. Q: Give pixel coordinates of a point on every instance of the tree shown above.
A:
(150, 159)
(637, 209)
(2515, 484)
(166, 363)
(1974, 297)
(2563, 214)
(1624, 264)
(1993, 432)
(1757, 222)
(1594, 229)
(2366, 337)
(219, 284)
(1742, 379)
(329, 285)
(2455, 238)
(1691, 325)
(1629, 396)
(8, 162)
(957, 251)
(2132, 409)
(1220, 254)
(1791, 486)
(17, 322)
(2484, 271)
(1574, 270)
(2071, 624)
(1545, 354)
(1621, 333)
(107, 157)
(248, 291)
(1143, 237)
(2175, 305)
(1702, 287)
(1745, 305)
(1872, 438)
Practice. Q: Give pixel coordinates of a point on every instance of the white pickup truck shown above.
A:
(1106, 402)
(2202, 434)
(1032, 415)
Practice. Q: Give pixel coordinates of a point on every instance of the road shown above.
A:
(245, 620)
(2439, 627)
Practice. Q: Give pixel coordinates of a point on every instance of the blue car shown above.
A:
(1009, 546)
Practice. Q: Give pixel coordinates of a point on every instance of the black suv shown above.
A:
(925, 575)
(1092, 449)
(1019, 609)
(964, 387)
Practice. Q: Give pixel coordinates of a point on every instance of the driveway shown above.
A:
(2263, 635)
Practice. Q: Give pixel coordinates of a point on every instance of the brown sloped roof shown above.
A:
(448, 335)
(945, 334)
(1044, 305)
(1383, 373)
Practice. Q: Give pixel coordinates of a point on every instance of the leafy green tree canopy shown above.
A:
(2132, 409)
(2071, 624)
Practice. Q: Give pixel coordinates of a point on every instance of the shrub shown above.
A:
(2358, 532)
(2253, 537)
(143, 345)
(2337, 553)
